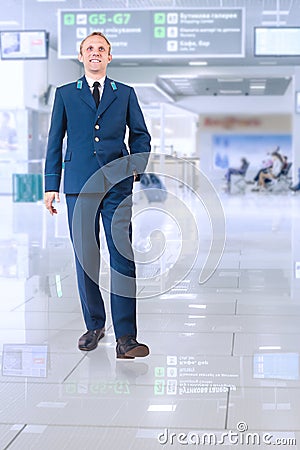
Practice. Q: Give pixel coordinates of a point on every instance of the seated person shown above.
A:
(274, 172)
(237, 171)
(285, 163)
(266, 165)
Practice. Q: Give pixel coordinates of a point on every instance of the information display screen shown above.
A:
(277, 41)
(24, 44)
(24, 360)
(280, 366)
(172, 33)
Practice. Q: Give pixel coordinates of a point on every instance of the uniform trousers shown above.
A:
(115, 209)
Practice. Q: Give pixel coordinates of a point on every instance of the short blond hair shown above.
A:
(96, 33)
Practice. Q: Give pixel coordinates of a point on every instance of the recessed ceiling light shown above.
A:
(9, 22)
(174, 296)
(273, 22)
(230, 80)
(161, 408)
(275, 12)
(198, 63)
(180, 80)
(270, 347)
(267, 63)
(127, 63)
(230, 92)
(197, 306)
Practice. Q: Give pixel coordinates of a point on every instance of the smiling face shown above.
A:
(95, 56)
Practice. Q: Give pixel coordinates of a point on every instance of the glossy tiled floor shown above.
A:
(224, 354)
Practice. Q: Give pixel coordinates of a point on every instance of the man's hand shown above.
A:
(49, 198)
(136, 176)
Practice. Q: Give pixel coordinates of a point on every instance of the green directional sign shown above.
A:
(159, 18)
(69, 19)
(148, 33)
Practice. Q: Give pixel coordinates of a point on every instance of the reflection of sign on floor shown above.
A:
(118, 387)
(22, 360)
(171, 360)
(189, 375)
(159, 387)
(171, 372)
(171, 387)
(159, 372)
(280, 366)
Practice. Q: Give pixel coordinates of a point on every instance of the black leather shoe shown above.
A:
(89, 340)
(129, 348)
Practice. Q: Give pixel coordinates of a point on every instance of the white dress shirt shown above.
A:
(90, 82)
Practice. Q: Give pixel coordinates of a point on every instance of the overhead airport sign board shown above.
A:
(171, 33)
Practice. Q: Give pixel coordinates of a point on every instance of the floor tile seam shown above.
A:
(266, 315)
(167, 313)
(144, 427)
(270, 387)
(121, 427)
(48, 329)
(90, 380)
(47, 311)
(15, 437)
(58, 311)
(73, 352)
(227, 408)
(64, 383)
(143, 330)
(62, 353)
(239, 386)
(111, 349)
(21, 304)
(269, 333)
(150, 383)
(235, 306)
(73, 369)
(52, 330)
(189, 313)
(233, 314)
(217, 332)
(232, 344)
(250, 355)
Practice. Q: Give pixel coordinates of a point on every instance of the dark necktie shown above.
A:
(96, 93)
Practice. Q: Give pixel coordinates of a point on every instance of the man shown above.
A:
(95, 140)
(236, 171)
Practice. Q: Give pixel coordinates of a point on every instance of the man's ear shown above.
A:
(80, 57)
(109, 58)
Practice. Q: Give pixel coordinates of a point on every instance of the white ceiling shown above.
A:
(42, 14)
(31, 14)
(181, 86)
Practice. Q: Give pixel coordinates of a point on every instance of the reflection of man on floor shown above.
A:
(8, 134)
